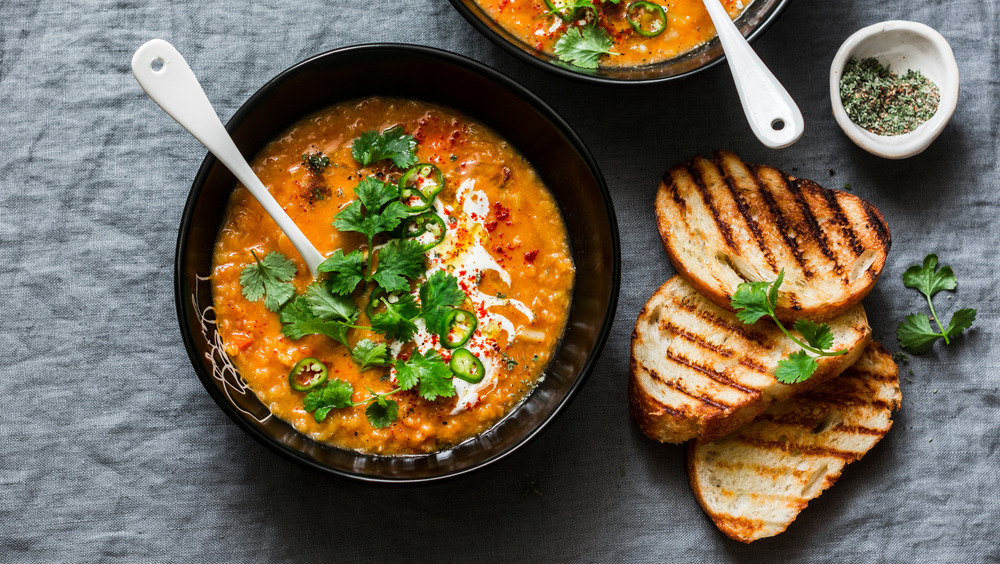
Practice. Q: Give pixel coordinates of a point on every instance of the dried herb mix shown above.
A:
(883, 102)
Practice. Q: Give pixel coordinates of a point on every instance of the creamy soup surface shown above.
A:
(505, 243)
(687, 25)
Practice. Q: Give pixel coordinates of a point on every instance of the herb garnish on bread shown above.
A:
(724, 222)
(754, 482)
(698, 371)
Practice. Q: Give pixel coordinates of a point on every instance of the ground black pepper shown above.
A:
(883, 102)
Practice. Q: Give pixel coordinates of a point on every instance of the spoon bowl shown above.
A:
(773, 116)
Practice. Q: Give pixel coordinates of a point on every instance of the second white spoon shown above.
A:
(773, 116)
(164, 74)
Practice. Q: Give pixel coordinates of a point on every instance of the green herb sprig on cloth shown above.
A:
(754, 300)
(915, 333)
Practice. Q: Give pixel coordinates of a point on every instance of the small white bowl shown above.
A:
(901, 46)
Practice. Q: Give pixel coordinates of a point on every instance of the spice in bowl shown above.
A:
(883, 102)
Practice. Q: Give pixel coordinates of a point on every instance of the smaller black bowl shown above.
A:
(531, 126)
(752, 23)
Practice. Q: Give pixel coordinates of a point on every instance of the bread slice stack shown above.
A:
(700, 374)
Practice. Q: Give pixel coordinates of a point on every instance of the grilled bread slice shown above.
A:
(753, 483)
(698, 371)
(724, 222)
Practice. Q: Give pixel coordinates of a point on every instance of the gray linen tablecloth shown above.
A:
(110, 449)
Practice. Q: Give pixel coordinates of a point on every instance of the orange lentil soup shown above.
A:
(505, 243)
(687, 26)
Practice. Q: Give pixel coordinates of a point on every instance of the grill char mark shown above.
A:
(790, 447)
(840, 217)
(721, 323)
(721, 351)
(780, 220)
(711, 374)
(693, 395)
(707, 198)
(744, 210)
(795, 188)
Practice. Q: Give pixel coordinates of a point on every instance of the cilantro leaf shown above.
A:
(374, 193)
(269, 279)
(368, 354)
(393, 144)
(298, 320)
(915, 334)
(335, 394)
(429, 372)
(583, 47)
(326, 305)
(396, 322)
(751, 300)
(817, 335)
(796, 368)
(928, 280)
(439, 294)
(370, 222)
(960, 321)
(347, 270)
(382, 412)
(398, 262)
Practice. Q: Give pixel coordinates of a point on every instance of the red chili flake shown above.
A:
(490, 226)
(530, 256)
(501, 213)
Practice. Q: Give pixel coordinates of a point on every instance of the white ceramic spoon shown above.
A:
(164, 74)
(774, 117)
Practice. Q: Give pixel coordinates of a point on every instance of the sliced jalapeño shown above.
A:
(307, 374)
(427, 228)
(466, 366)
(419, 185)
(460, 325)
(562, 9)
(646, 18)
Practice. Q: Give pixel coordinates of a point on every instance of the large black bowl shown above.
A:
(527, 123)
(752, 23)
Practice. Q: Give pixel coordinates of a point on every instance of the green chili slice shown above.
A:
(307, 374)
(423, 179)
(559, 8)
(646, 18)
(466, 366)
(461, 324)
(414, 201)
(416, 226)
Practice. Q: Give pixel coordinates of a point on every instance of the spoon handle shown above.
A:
(774, 117)
(164, 74)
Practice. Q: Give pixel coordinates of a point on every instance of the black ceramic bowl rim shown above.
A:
(583, 74)
(182, 293)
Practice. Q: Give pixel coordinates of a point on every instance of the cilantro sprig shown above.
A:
(270, 279)
(915, 333)
(583, 46)
(754, 300)
(427, 373)
(393, 144)
(337, 394)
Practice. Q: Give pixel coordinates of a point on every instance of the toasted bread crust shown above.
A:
(807, 456)
(723, 222)
(697, 371)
